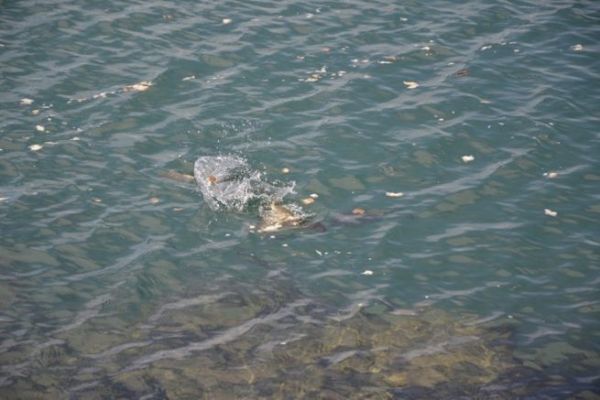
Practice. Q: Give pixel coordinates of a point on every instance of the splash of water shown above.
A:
(227, 182)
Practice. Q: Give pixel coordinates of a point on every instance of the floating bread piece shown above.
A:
(358, 211)
(40, 128)
(35, 147)
(411, 84)
(154, 200)
(550, 212)
(467, 158)
(138, 87)
(577, 47)
(25, 101)
(394, 194)
(551, 175)
(307, 201)
(367, 272)
(227, 21)
(285, 170)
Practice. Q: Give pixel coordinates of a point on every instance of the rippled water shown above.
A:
(480, 280)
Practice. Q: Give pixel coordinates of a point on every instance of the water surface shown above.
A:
(479, 278)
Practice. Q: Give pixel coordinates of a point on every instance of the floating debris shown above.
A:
(317, 75)
(285, 170)
(25, 101)
(227, 21)
(154, 200)
(40, 128)
(189, 78)
(487, 47)
(550, 212)
(358, 211)
(137, 87)
(410, 84)
(35, 147)
(314, 195)
(551, 175)
(577, 47)
(308, 201)
(367, 272)
(467, 158)
(35, 112)
(76, 138)
(394, 194)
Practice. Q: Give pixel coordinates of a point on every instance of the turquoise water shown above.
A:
(480, 280)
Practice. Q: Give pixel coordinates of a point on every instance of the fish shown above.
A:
(276, 216)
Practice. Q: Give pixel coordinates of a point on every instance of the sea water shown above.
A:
(450, 148)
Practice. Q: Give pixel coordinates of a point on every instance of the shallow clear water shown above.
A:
(118, 282)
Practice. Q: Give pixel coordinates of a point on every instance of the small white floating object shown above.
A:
(40, 128)
(76, 138)
(154, 200)
(307, 201)
(394, 194)
(426, 48)
(189, 78)
(411, 84)
(285, 170)
(3, 199)
(25, 101)
(35, 147)
(577, 47)
(367, 272)
(467, 158)
(551, 175)
(318, 252)
(138, 87)
(550, 212)
(227, 21)
(314, 195)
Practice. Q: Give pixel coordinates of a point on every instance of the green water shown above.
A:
(479, 281)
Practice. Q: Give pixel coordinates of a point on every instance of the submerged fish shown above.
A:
(277, 216)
